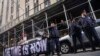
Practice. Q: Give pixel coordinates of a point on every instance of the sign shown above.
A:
(26, 50)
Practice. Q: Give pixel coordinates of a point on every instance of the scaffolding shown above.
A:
(41, 21)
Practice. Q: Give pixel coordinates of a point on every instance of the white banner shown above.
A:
(25, 50)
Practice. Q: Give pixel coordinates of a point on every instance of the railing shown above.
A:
(22, 18)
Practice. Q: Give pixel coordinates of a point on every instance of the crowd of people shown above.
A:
(85, 23)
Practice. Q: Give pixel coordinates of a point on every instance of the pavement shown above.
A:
(81, 53)
(88, 53)
(95, 53)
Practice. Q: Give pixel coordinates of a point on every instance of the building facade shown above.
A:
(22, 19)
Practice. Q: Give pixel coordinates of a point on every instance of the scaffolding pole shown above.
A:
(23, 28)
(3, 44)
(33, 32)
(46, 17)
(8, 39)
(65, 13)
(89, 1)
(15, 36)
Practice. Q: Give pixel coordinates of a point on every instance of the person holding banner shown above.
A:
(43, 34)
(54, 39)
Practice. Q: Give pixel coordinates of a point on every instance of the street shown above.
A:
(80, 53)
(87, 53)
(95, 53)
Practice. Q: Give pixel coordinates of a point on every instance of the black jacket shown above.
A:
(74, 28)
(54, 33)
(87, 21)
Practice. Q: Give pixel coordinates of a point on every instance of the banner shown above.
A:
(26, 50)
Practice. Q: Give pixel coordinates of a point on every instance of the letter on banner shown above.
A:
(43, 44)
(13, 51)
(32, 48)
(18, 51)
(25, 50)
(7, 52)
(38, 47)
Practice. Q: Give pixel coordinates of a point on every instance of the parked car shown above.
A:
(66, 41)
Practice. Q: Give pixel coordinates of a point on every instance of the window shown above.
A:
(46, 3)
(0, 20)
(12, 6)
(27, 11)
(36, 9)
(12, 9)
(98, 22)
(58, 0)
(26, 1)
(11, 17)
(12, 2)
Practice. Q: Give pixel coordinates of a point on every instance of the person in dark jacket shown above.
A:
(88, 25)
(54, 36)
(63, 24)
(75, 32)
